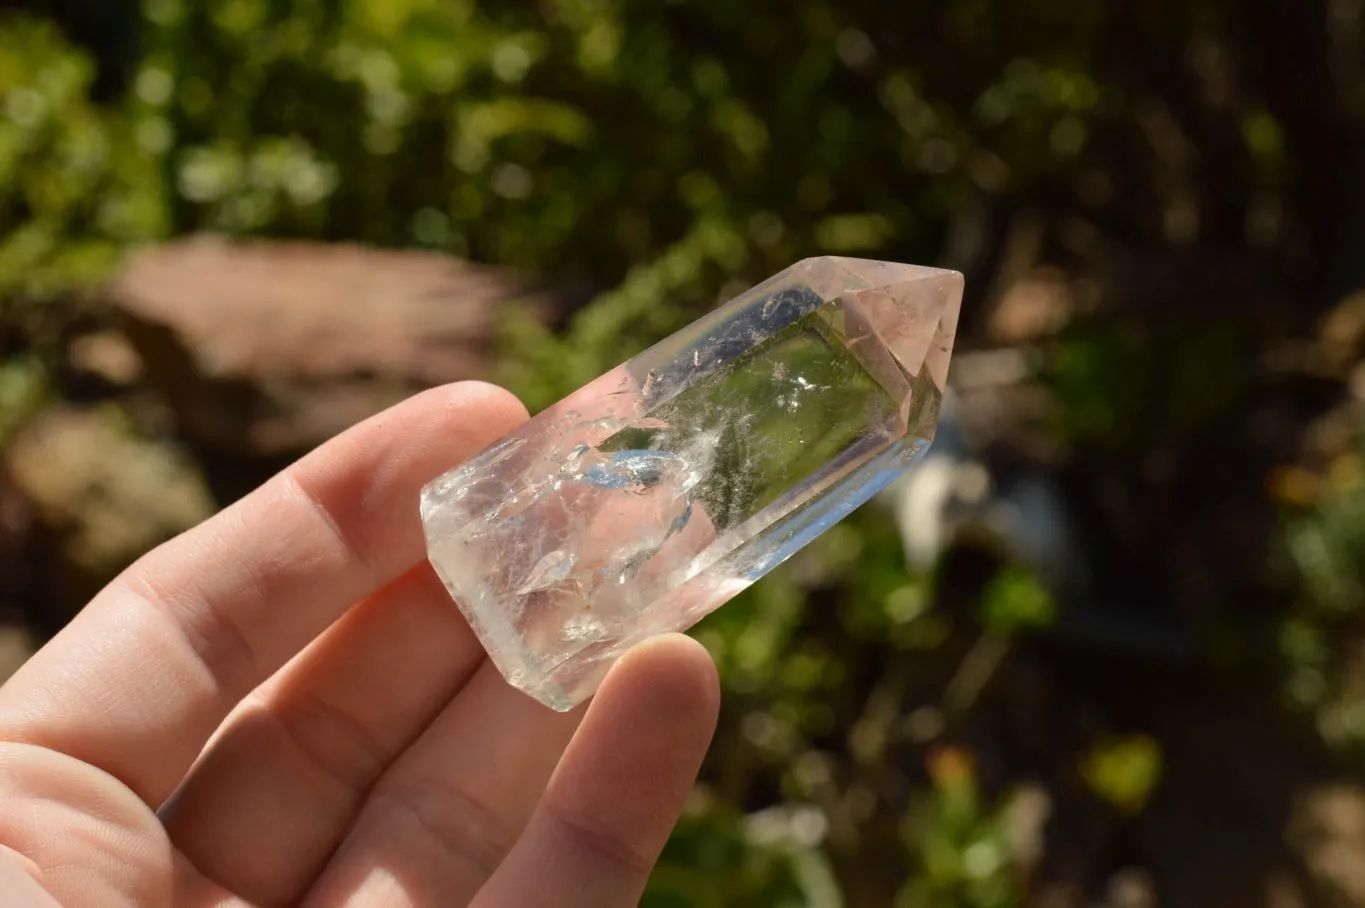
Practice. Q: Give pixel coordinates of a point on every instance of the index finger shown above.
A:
(140, 680)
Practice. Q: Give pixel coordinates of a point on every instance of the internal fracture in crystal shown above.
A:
(651, 496)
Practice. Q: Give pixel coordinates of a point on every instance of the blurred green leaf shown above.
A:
(1123, 771)
(1015, 601)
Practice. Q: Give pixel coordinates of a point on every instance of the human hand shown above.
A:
(282, 706)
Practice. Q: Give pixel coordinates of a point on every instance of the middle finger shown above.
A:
(273, 793)
(445, 814)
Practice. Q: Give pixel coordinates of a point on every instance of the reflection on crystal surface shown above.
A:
(651, 496)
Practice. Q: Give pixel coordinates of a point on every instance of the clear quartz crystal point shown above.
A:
(652, 495)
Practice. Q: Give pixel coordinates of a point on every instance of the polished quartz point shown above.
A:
(652, 495)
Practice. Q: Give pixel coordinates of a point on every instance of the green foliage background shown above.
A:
(666, 153)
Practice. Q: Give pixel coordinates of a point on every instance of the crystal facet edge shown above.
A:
(561, 679)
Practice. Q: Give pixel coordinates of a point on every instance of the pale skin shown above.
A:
(283, 707)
